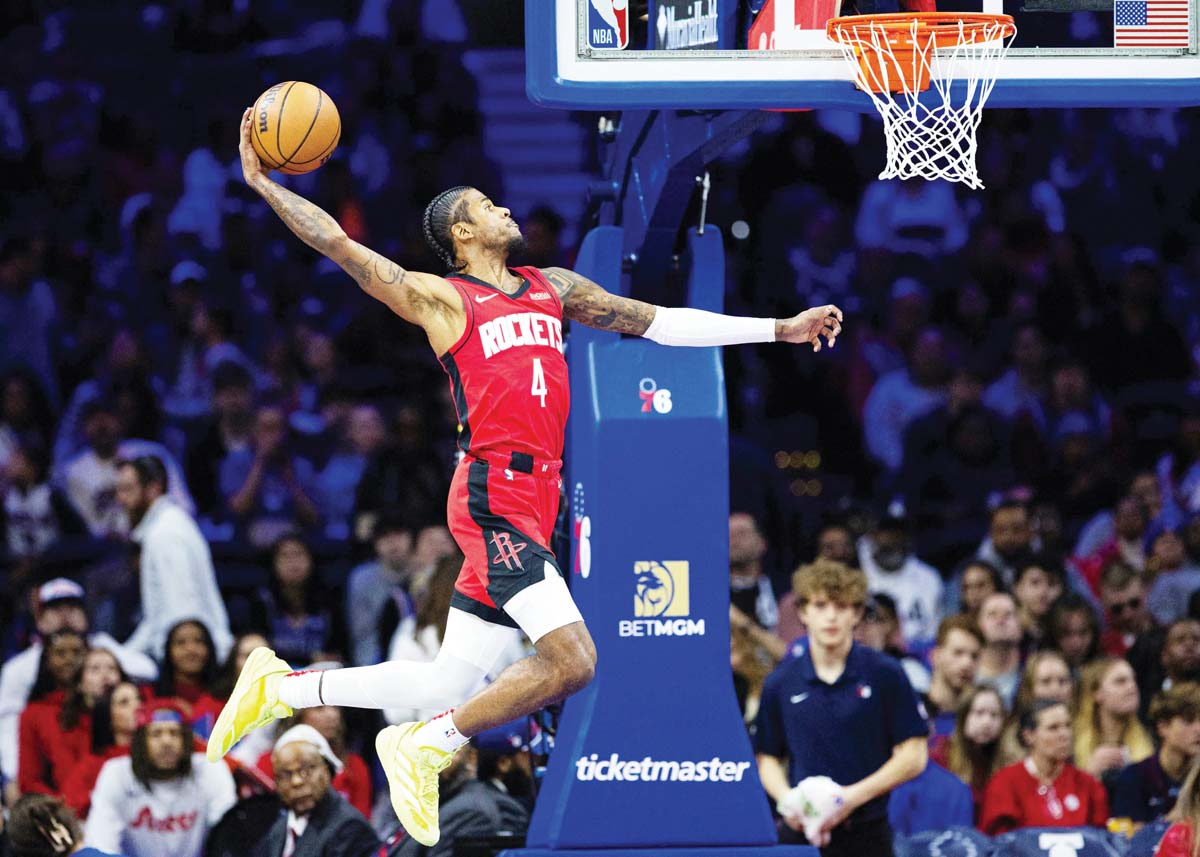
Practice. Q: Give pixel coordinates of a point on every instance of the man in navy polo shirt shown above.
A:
(841, 710)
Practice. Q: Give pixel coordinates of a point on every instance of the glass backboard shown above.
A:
(730, 54)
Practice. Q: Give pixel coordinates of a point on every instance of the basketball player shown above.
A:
(498, 333)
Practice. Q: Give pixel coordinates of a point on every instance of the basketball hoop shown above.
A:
(898, 57)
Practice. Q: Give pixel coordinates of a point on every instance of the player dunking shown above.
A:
(498, 333)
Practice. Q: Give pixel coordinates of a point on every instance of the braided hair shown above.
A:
(448, 207)
(41, 826)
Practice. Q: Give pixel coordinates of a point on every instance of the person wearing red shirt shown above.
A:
(1127, 615)
(114, 720)
(190, 673)
(46, 747)
(353, 781)
(1044, 789)
(1180, 838)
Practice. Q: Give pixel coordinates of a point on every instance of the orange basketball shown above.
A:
(295, 127)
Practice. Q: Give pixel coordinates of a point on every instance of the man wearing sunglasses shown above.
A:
(1126, 614)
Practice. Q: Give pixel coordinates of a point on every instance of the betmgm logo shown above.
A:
(661, 602)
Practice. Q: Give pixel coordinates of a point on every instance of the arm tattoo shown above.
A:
(374, 269)
(587, 303)
(312, 225)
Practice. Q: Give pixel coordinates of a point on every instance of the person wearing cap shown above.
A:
(469, 808)
(162, 798)
(59, 606)
(316, 821)
(885, 555)
(177, 578)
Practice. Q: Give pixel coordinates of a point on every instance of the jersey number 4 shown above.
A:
(539, 381)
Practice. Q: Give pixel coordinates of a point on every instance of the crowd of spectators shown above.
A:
(1006, 440)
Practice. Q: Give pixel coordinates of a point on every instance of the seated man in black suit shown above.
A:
(317, 822)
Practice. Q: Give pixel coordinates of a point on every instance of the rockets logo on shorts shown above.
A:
(608, 24)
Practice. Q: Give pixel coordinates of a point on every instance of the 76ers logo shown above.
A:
(608, 24)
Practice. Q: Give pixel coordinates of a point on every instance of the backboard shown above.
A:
(732, 54)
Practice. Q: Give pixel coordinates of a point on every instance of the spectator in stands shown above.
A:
(205, 346)
(1037, 584)
(971, 751)
(1145, 791)
(1000, 658)
(267, 488)
(1108, 734)
(1124, 597)
(750, 589)
(1128, 541)
(979, 579)
(902, 395)
(177, 579)
(227, 430)
(836, 542)
(162, 798)
(316, 819)
(189, 675)
(868, 744)
(1174, 576)
(469, 808)
(301, 618)
(1046, 676)
(91, 477)
(753, 654)
(1018, 393)
(1166, 657)
(886, 556)
(363, 435)
(59, 607)
(353, 780)
(114, 720)
(1010, 537)
(35, 515)
(1044, 789)
(955, 658)
(374, 583)
(504, 763)
(28, 312)
(1074, 630)
(1181, 837)
(879, 629)
(41, 826)
(47, 745)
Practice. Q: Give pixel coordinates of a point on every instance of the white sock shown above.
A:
(440, 732)
(301, 689)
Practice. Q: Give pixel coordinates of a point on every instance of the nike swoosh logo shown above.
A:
(800, 697)
(483, 298)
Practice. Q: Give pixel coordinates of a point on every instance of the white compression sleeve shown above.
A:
(468, 652)
(685, 326)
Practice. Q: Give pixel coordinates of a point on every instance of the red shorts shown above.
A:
(502, 518)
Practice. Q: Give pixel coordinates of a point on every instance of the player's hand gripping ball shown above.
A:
(294, 127)
(812, 802)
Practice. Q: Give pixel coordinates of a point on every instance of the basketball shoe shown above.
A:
(412, 773)
(253, 703)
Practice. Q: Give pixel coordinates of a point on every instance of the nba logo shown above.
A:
(608, 24)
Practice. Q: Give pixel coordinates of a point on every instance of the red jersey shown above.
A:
(507, 371)
(1015, 798)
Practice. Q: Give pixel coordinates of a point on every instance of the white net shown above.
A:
(931, 134)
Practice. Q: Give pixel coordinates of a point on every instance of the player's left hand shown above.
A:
(810, 325)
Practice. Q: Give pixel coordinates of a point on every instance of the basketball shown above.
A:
(295, 127)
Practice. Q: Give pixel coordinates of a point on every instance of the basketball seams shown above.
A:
(279, 122)
(262, 147)
(337, 136)
(311, 125)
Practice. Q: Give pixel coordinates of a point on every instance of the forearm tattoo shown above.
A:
(311, 223)
(373, 270)
(587, 303)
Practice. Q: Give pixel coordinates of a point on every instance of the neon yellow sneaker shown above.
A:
(253, 703)
(412, 774)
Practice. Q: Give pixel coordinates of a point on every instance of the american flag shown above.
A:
(1151, 23)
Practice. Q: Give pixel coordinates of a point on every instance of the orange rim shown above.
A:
(946, 28)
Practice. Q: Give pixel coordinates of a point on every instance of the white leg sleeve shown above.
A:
(543, 607)
(468, 652)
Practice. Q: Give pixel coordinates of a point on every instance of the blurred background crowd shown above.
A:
(1006, 438)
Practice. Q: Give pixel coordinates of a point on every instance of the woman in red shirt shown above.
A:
(114, 720)
(46, 749)
(353, 782)
(189, 675)
(1044, 789)
(1180, 840)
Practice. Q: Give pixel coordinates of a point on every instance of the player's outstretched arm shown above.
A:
(423, 299)
(588, 303)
